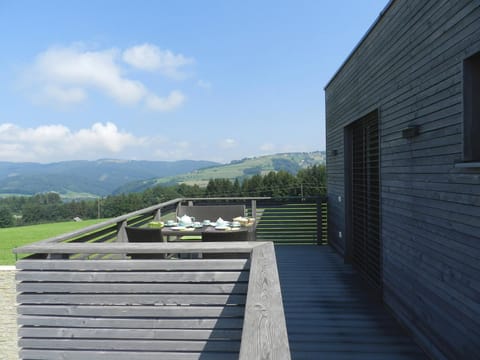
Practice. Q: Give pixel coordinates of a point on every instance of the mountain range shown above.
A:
(83, 179)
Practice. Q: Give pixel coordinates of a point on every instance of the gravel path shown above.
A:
(8, 319)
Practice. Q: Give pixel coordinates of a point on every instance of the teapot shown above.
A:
(185, 220)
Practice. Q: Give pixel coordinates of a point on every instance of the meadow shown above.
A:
(13, 237)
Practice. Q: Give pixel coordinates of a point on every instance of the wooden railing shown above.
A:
(150, 309)
(288, 220)
(293, 221)
(83, 291)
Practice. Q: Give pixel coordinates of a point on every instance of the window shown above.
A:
(471, 108)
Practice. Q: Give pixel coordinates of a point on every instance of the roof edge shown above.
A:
(370, 29)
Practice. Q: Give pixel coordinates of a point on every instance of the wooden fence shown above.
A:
(80, 294)
(150, 308)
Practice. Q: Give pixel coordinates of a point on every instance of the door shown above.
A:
(364, 241)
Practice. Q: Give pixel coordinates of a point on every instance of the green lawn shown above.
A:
(17, 236)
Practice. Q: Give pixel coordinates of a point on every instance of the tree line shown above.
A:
(49, 207)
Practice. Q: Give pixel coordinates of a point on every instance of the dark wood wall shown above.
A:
(409, 67)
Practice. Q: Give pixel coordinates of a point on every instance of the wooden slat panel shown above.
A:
(120, 276)
(195, 322)
(292, 223)
(183, 308)
(119, 345)
(122, 355)
(135, 311)
(136, 248)
(157, 334)
(98, 288)
(127, 299)
(120, 265)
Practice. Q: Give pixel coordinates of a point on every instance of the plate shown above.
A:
(222, 227)
(178, 227)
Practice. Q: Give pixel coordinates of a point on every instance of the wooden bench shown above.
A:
(150, 308)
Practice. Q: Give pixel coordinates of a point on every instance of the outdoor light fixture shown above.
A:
(411, 131)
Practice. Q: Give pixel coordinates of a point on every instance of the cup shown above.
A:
(170, 222)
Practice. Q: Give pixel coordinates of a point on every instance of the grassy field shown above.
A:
(11, 238)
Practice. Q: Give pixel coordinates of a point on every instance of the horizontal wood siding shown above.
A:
(131, 309)
(409, 67)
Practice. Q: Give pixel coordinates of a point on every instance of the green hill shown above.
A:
(86, 178)
(238, 169)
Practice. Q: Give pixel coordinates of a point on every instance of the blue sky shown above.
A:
(170, 80)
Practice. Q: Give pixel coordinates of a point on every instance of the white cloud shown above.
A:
(64, 76)
(172, 101)
(58, 142)
(65, 68)
(64, 95)
(151, 58)
(105, 137)
(228, 143)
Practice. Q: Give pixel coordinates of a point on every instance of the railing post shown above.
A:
(254, 209)
(319, 221)
(158, 215)
(121, 232)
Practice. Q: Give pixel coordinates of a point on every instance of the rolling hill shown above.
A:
(86, 178)
(83, 179)
(238, 169)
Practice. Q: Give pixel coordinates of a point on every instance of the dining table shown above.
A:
(177, 232)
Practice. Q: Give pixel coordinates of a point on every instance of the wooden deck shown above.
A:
(329, 313)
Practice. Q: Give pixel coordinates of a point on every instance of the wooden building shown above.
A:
(403, 162)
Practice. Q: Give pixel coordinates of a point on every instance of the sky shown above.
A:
(216, 80)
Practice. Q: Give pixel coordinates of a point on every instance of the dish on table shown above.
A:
(178, 227)
(222, 227)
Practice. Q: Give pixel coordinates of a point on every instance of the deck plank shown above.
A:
(329, 312)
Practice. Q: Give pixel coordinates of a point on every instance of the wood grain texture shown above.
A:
(119, 265)
(180, 308)
(145, 309)
(123, 355)
(264, 332)
(136, 248)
